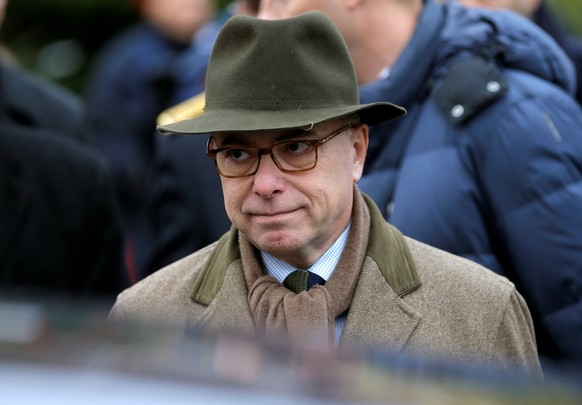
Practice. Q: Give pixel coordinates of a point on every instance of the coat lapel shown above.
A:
(378, 316)
(229, 311)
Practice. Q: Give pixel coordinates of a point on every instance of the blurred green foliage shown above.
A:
(31, 25)
(570, 12)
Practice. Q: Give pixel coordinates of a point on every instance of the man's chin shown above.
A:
(276, 243)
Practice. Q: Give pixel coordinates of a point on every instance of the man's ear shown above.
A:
(360, 138)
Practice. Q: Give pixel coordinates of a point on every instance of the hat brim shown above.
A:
(246, 120)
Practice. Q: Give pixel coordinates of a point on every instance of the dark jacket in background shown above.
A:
(185, 205)
(135, 77)
(60, 229)
(128, 86)
(30, 100)
(488, 163)
(60, 232)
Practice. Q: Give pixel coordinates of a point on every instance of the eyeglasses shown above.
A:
(289, 156)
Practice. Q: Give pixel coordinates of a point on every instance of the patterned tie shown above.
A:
(301, 280)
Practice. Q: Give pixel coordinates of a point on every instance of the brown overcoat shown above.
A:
(431, 303)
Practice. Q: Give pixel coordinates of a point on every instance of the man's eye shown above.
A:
(297, 147)
(238, 154)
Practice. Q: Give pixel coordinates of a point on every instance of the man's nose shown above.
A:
(268, 179)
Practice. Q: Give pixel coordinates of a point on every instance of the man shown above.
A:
(488, 163)
(183, 187)
(60, 229)
(540, 13)
(138, 74)
(290, 145)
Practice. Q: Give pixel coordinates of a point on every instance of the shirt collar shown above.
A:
(323, 267)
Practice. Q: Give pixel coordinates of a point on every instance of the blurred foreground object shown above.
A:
(72, 355)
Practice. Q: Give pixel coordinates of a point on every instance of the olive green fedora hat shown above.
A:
(279, 74)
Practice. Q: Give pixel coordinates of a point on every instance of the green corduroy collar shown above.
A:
(396, 264)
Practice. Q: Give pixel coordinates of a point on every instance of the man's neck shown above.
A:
(323, 267)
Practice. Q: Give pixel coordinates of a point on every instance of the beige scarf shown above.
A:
(310, 315)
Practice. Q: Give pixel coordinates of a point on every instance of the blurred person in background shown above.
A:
(542, 14)
(246, 7)
(310, 260)
(185, 206)
(34, 101)
(60, 232)
(488, 163)
(134, 78)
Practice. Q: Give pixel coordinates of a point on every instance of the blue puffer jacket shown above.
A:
(488, 162)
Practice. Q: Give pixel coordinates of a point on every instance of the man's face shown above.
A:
(296, 216)
(178, 19)
(278, 9)
(247, 7)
